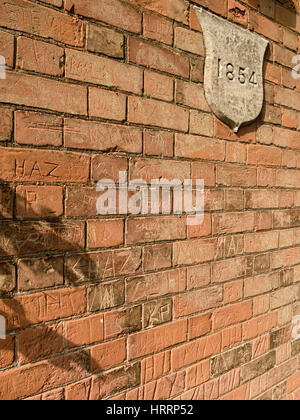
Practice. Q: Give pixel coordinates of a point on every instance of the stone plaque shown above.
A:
(233, 76)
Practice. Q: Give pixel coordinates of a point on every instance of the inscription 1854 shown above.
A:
(233, 80)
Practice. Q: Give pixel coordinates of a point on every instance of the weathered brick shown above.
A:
(40, 57)
(159, 58)
(22, 15)
(104, 71)
(38, 92)
(43, 166)
(38, 129)
(104, 40)
(36, 202)
(113, 12)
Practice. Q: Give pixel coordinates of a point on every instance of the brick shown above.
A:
(156, 339)
(201, 123)
(204, 229)
(103, 71)
(233, 291)
(258, 326)
(189, 41)
(236, 153)
(158, 28)
(228, 269)
(280, 337)
(293, 382)
(156, 169)
(40, 57)
(112, 12)
(245, 135)
(149, 229)
(229, 381)
(231, 359)
(157, 256)
(195, 351)
(107, 167)
(260, 242)
(239, 394)
(163, 388)
(156, 113)
(105, 296)
(174, 9)
(7, 47)
(287, 178)
(205, 171)
(155, 285)
(199, 325)
(272, 73)
(231, 336)
(42, 307)
(159, 143)
(234, 199)
(39, 342)
(197, 374)
(287, 98)
(219, 6)
(41, 376)
(205, 392)
(198, 276)
(102, 265)
(197, 69)
(265, 26)
(153, 367)
(106, 104)
(7, 277)
(105, 233)
(283, 56)
(98, 387)
(284, 296)
(194, 251)
(84, 331)
(22, 15)
(158, 86)
(43, 165)
(40, 273)
(54, 395)
(197, 301)
(256, 199)
(197, 147)
(264, 155)
(23, 238)
(286, 138)
(7, 356)
(236, 176)
(289, 118)
(35, 202)
(261, 284)
(104, 40)
(38, 129)
(6, 124)
(290, 39)
(191, 95)
(34, 91)
(232, 314)
(108, 355)
(123, 321)
(82, 134)
(157, 312)
(233, 222)
(258, 367)
(237, 13)
(159, 58)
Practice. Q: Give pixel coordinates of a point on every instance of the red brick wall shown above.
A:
(144, 307)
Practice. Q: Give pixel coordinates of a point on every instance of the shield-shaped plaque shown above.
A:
(233, 76)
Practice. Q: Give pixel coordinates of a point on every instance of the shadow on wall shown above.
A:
(36, 234)
(287, 13)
